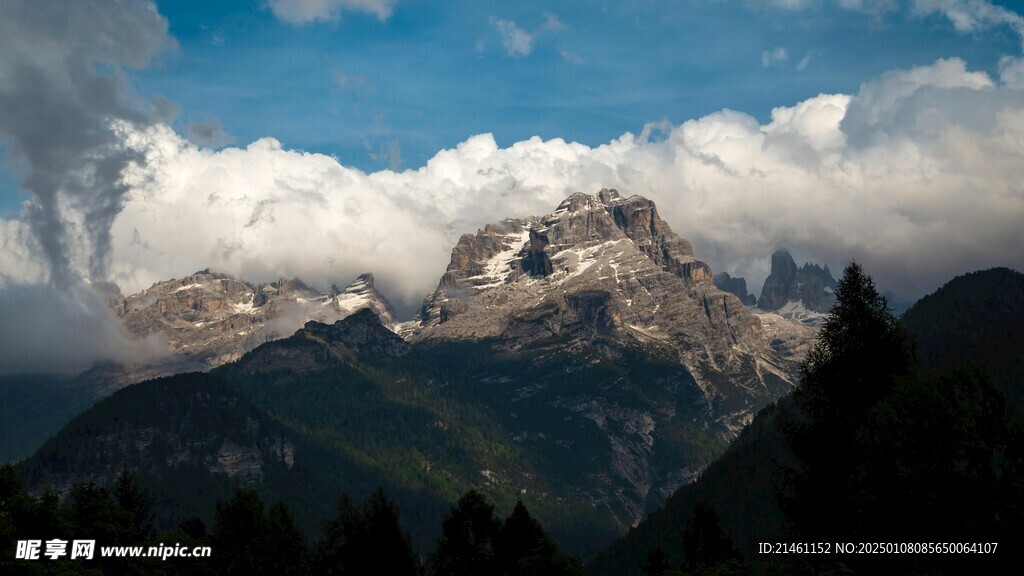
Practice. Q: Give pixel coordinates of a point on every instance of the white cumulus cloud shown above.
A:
(917, 175)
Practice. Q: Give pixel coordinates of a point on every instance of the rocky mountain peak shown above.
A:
(805, 293)
(591, 338)
(211, 318)
(361, 332)
(776, 290)
(600, 264)
(363, 281)
(362, 294)
(736, 286)
(603, 281)
(607, 216)
(621, 234)
(606, 195)
(289, 286)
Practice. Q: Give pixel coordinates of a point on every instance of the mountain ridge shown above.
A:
(207, 318)
(583, 360)
(804, 293)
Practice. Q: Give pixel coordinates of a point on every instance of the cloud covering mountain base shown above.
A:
(917, 176)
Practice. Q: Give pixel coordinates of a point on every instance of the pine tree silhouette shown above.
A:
(468, 538)
(369, 541)
(707, 546)
(249, 541)
(657, 563)
(139, 519)
(861, 353)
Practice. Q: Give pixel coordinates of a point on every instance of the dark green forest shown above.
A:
(890, 437)
(307, 414)
(248, 538)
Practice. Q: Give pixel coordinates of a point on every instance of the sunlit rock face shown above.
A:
(604, 277)
(210, 319)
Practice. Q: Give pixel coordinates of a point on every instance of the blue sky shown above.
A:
(897, 140)
(391, 93)
(913, 166)
(434, 73)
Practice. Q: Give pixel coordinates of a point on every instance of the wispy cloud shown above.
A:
(805, 61)
(551, 22)
(353, 83)
(876, 8)
(782, 4)
(773, 56)
(389, 153)
(517, 42)
(572, 57)
(972, 15)
(68, 108)
(301, 12)
(67, 104)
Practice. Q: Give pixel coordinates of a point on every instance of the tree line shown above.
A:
(248, 538)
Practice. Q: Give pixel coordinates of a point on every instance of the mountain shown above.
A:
(334, 408)
(211, 318)
(740, 485)
(606, 271)
(190, 439)
(804, 294)
(976, 318)
(735, 286)
(34, 407)
(582, 361)
(207, 319)
(601, 280)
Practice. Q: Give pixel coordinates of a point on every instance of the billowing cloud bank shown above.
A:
(919, 176)
(65, 108)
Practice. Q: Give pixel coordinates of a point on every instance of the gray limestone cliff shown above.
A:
(735, 286)
(210, 319)
(604, 277)
(807, 292)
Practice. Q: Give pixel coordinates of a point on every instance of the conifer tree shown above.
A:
(383, 538)
(138, 518)
(861, 354)
(468, 538)
(282, 546)
(657, 563)
(367, 541)
(337, 550)
(523, 547)
(249, 541)
(707, 546)
(95, 514)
